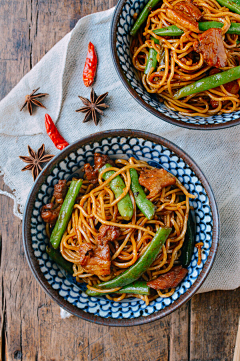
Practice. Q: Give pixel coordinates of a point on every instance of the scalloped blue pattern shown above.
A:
(123, 29)
(117, 147)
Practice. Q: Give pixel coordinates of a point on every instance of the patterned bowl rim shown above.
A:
(137, 97)
(33, 262)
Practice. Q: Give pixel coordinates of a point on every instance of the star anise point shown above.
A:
(34, 160)
(93, 107)
(31, 99)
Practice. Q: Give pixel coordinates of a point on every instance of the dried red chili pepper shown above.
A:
(90, 66)
(54, 134)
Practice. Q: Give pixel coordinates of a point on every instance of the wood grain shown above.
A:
(31, 328)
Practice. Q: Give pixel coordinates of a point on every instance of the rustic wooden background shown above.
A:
(31, 328)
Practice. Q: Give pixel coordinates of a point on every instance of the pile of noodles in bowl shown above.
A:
(118, 251)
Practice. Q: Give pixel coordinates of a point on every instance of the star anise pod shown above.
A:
(30, 100)
(93, 107)
(35, 160)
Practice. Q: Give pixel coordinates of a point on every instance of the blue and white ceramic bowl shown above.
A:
(122, 24)
(126, 143)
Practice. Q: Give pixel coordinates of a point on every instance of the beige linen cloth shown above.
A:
(59, 73)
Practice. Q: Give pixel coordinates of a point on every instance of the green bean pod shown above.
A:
(151, 60)
(231, 5)
(209, 82)
(173, 30)
(134, 272)
(58, 258)
(189, 241)
(234, 27)
(117, 185)
(143, 16)
(138, 287)
(65, 213)
(144, 204)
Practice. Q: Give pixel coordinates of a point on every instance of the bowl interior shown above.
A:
(64, 289)
(120, 43)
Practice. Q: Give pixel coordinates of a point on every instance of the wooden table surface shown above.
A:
(31, 328)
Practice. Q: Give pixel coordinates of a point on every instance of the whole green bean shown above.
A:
(134, 272)
(173, 30)
(117, 185)
(151, 60)
(144, 204)
(58, 258)
(143, 16)
(209, 82)
(65, 213)
(234, 6)
(234, 27)
(138, 287)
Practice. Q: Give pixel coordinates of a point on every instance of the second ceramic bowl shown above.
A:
(120, 40)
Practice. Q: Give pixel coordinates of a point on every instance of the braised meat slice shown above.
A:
(97, 261)
(170, 279)
(84, 253)
(189, 8)
(183, 19)
(99, 161)
(210, 45)
(49, 213)
(155, 179)
(60, 191)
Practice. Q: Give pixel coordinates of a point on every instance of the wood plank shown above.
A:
(214, 323)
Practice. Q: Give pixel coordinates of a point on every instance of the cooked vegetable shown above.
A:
(234, 28)
(234, 6)
(151, 60)
(143, 16)
(138, 287)
(209, 82)
(152, 57)
(65, 213)
(134, 272)
(57, 257)
(173, 30)
(189, 242)
(145, 206)
(117, 185)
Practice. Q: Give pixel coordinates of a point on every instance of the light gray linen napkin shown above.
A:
(59, 73)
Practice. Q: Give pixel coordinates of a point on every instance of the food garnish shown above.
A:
(93, 106)
(35, 159)
(54, 134)
(90, 66)
(31, 99)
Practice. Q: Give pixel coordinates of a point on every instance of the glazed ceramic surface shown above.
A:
(117, 144)
(122, 24)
